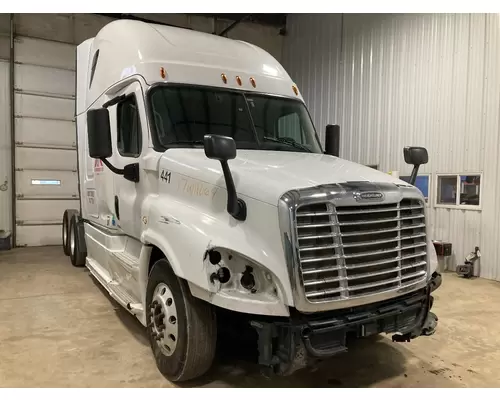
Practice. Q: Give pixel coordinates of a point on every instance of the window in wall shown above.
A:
(470, 186)
(46, 182)
(447, 190)
(462, 191)
(129, 128)
(422, 183)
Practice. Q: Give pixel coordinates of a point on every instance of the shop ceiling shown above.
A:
(277, 20)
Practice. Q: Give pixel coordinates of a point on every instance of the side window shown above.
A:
(129, 128)
(289, 126)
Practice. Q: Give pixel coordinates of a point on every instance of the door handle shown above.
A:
(117, 208)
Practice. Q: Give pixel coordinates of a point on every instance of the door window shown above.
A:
(129, 128)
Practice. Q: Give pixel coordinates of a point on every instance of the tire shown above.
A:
(191, 351)
(68, 214)
(77, 251)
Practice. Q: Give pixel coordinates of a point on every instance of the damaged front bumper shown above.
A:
(429, 325)
(286, 346)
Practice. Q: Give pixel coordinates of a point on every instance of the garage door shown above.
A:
(45, 135)
(5, 173)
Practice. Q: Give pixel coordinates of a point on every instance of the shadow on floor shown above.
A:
(368, 362)
(132, 324)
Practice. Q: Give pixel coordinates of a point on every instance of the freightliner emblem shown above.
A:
(368, 196)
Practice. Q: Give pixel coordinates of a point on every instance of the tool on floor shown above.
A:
(467, 269)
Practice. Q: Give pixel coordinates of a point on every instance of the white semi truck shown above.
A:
(208, 204)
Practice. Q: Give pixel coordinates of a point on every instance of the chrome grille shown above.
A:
(354, 251)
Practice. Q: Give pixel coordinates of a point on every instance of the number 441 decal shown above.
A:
(165, 175)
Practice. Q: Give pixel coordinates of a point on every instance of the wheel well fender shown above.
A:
(156, 254)
(149, 256)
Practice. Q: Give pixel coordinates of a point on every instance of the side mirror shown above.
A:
(332, 140)
(99, 133)
(415, 156)
(223, 148)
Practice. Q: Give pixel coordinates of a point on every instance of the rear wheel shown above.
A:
(68, 214)
(76, 237)
(182, 329)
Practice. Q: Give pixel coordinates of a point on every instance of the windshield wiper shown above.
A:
(288, 141)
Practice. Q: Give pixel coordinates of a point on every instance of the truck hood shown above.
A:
(267, 175)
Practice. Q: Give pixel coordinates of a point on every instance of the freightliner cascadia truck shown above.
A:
(209, 204)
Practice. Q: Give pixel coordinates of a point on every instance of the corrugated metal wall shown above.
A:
(393, 80)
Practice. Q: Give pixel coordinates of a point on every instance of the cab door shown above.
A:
(130, 143)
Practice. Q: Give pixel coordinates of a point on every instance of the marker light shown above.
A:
(238, 80)
(252, 81)
(295, 90)
(163, 73)
(224, 78)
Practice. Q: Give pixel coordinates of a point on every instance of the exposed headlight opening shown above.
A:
(231, 271)
(248, 280)
(214, 257)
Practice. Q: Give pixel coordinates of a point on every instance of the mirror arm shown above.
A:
(114, 101)
(414, 173)
(112, 168)
(235, 207)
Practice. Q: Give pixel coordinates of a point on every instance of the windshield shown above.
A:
(183, 115)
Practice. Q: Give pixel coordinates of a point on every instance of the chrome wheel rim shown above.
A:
(163, 319)
(72, 241)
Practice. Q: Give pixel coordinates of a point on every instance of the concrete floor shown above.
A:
(59, 329)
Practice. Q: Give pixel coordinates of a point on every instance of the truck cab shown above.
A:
(206, 192)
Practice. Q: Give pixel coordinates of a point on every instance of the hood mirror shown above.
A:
(332, 140)
(223, 148)
(415, 156)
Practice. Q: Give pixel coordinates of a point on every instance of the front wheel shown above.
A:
(182, 330)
